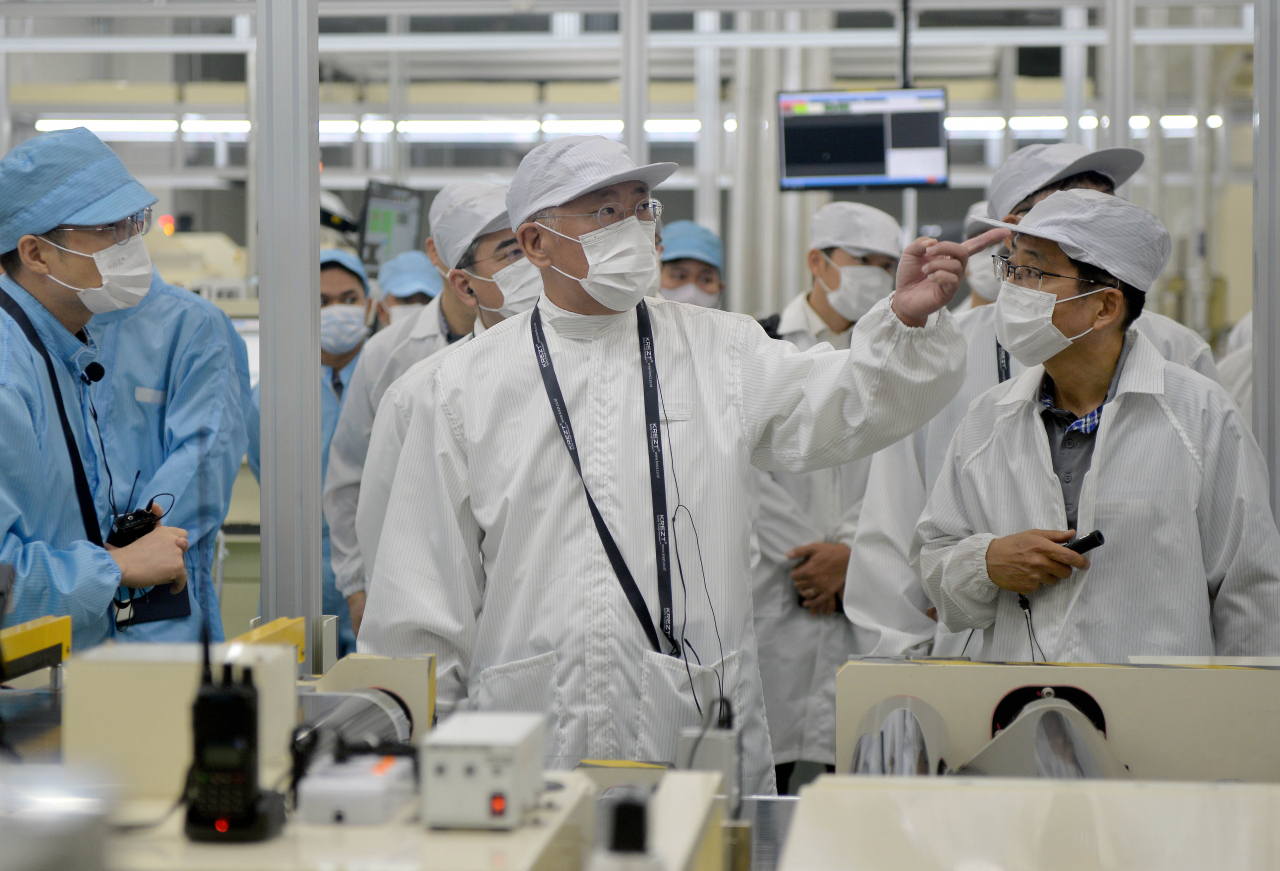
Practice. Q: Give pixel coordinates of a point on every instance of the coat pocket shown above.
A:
(527, 686)
(667, 702)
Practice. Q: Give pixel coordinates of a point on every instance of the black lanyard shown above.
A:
(657, 480)
(88, 513)
(1002, 362)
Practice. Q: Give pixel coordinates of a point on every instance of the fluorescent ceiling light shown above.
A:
(377, 125)
(672, 125)
(215, 125)
(730, 125)
(1139, 122)
(1178, 122)
(967, 124)
(584, 127)
(478, 127)
(1088, 122)
(339, 126)
(141, 125)
(1214, 121)
(1038, 122)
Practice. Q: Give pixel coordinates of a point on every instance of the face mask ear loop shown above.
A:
(1081, 296)
(571, 239)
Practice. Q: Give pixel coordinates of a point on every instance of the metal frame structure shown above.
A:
(288, 200)
(284, 104)
(1266, 238)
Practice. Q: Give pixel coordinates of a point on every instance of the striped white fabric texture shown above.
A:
(385, 445)
(1237, 377)
(800, 653)
(455, 229)
(882, 595)
(489, 558)
(386, 356)
(1191, 565)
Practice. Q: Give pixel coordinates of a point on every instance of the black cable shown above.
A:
(675, 478)
(966, 641)
(726, 717)
(1025, 604)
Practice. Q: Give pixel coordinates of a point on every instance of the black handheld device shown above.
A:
(128, 528)
(1088, 543)
(224, 802)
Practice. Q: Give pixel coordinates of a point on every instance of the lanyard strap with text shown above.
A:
(1002, 363)
(657, 478)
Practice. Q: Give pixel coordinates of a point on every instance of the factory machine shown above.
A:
(1166, 763)
(221, 756)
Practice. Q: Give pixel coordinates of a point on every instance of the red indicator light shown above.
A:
(497, 804)
(221, 826)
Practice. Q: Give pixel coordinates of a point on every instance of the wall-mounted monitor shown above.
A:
(851, 139)
(391, 223)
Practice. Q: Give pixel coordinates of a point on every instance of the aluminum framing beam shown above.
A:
(1266, 239)
(706, 86)
(288, 196)
(379, 8)
(539, 43)
(633, 29)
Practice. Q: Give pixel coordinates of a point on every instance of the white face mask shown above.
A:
(126, 276)
(622, 263)
(691, 294)
(861, 287)
(342, 328)
(1024, 323)
(520, 283)
(405, 310)
(982, 278)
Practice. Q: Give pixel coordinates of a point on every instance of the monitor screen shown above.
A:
(391, 224)
(843, 139)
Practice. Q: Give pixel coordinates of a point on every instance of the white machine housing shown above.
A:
(363, 791)
(482, 770)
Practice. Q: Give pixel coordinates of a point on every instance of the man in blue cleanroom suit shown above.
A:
(71, 225)
(175, 393)
(345, 311)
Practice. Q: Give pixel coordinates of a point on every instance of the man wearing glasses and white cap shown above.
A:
(70, 245)
(470, 233)
(1152, 455)
(883, 596)
(568, 530)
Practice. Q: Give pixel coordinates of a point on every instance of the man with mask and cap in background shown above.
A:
(692, 265)
(807, 522)
(887, 605)
(488, 279)
(1151, 454)
(346, 308)
(71, 225)
(404, 292)
(527, 541)
(982, 282)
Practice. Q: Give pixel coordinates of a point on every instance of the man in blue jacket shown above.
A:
(71, 225)
(175, 395)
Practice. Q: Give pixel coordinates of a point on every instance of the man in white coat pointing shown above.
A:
(573, 538)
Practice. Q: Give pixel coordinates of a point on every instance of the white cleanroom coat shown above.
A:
(386, 356)
(1191, 564)
(882, 596)
(1237, 377)
(396, 409)
(800, 653)
(489, 557)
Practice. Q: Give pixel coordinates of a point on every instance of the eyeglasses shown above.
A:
(506, 258)
(123, 230)
(1029, 276)
(611, 213)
